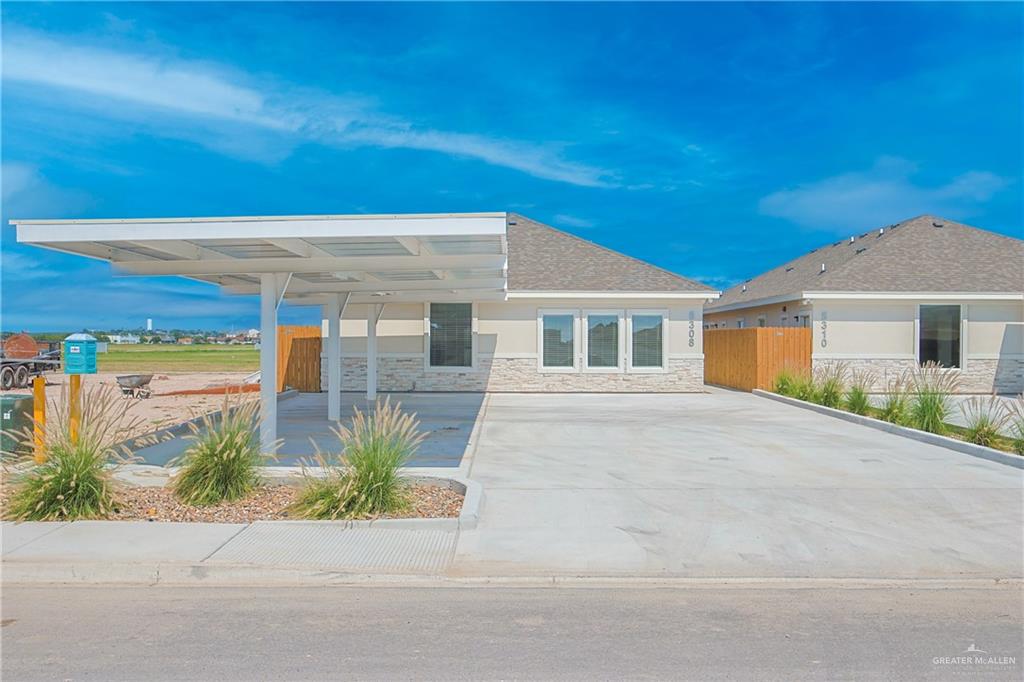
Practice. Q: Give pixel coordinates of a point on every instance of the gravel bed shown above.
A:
(268, 503)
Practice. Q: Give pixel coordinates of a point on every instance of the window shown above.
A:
(739, 323)
(939, 340)
(451, 334)
(647, 347)
(603, 340)
(784, 321)
(762, 321)
(558, 348)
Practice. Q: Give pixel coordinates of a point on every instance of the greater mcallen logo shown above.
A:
(973, 657)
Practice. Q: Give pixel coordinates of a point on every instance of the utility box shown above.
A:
(80, 354)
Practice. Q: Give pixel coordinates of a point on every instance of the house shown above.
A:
(184, 341)
(927, 289)
(123, 338)
(426, 302)
(577, 318)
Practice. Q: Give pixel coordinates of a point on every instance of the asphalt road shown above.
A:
(213, 633)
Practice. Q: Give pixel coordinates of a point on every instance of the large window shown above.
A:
(603, 340)
(557, 340)
(940, 335)
(648, 346)
(451, 334)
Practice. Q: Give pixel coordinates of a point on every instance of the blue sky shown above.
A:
(713, 140)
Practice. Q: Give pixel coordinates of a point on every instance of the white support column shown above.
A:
(332, 311)
(269, 286)
(372, 316)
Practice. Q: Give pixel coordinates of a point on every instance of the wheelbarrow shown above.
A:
(135, 385)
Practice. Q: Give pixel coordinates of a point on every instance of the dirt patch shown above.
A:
(269, 503)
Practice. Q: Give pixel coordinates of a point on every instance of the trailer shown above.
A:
(22, 359)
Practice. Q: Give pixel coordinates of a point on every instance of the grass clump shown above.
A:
(363, 480)
(858, 398)
(223, 462)
(829, 384)
(895, 407)
(984, 418)
(75, 477)
(930, 400)
(1015, 420)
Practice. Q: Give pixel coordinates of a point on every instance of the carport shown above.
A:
(331, 261)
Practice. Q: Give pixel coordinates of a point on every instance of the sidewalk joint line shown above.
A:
(221, 545)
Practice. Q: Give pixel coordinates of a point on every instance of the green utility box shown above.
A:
(15, 417)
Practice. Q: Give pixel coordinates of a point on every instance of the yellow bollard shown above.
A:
(39, 418)
(75, 408)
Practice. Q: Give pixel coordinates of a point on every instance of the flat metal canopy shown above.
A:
(374, 258)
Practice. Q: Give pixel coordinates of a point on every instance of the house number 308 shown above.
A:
(693, 333)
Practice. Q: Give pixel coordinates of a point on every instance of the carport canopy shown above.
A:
(327, 260)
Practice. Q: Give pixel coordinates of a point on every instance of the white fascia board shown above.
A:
(754, 303)
(41, 232)
(702, 295)
(468, 296)
(299, 286)
(227, 266)
(912, 296)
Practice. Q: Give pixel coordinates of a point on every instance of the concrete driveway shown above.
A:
(727, 485)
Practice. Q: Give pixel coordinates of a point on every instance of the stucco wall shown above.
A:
(776, 315)
(883, 337)
(506, 338)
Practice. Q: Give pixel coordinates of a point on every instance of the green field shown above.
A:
(145, 358)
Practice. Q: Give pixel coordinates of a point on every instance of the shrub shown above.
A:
(895, 407)
(224, 459)
(984, 418)
(858, 398)
(803, 387)
(1014, 412)
(829, 381)
(930, 404)
(783, 384)
(75, 481)
(363, 480)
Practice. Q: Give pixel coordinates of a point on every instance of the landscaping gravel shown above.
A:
(266, 504)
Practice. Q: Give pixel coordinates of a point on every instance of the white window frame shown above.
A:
(426, 341)
(963, 336)
(664, 313)
(585, 337)
(577, 343)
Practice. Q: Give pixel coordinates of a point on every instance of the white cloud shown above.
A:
(573, 221)
(199, 90)
(884, 194)
(27, 194)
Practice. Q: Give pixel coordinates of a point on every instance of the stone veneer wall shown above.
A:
(510, 375)
(977, 376)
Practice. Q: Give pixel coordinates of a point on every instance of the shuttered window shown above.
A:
(451, 334)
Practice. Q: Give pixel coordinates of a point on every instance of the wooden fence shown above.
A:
(751, 358)
(298, 358)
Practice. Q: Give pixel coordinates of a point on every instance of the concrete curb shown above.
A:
(971, 449)
(171, 573)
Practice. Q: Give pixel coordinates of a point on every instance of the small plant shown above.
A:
(802, 387)
(984, 418)
(1014, 412)
(363, 480)
(858, 398)
(783, 384)
(75, 479)
(930, 403)
(224, 459)
(829, 381)
(895, 407)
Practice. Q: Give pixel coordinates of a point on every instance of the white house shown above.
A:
(888, 300)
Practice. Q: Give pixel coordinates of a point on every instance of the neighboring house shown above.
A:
(185, 341)
(578, 317)
(927, 289)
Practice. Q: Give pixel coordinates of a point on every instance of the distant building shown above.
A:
(149, 324)
(123, 338)
(252, 334)
(185, 341)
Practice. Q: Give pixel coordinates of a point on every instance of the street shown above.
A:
(319, 633)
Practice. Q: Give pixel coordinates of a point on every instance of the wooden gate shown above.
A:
(298, 358)
(751, 358)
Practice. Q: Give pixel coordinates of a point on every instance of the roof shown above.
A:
(372, 258)
(927, 254)
(541, 258)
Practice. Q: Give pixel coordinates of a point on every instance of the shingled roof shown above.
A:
(923, 254)
(541, 258)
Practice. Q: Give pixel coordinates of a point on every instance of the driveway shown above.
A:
(727, 484)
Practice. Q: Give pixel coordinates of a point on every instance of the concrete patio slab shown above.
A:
(728, 485)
